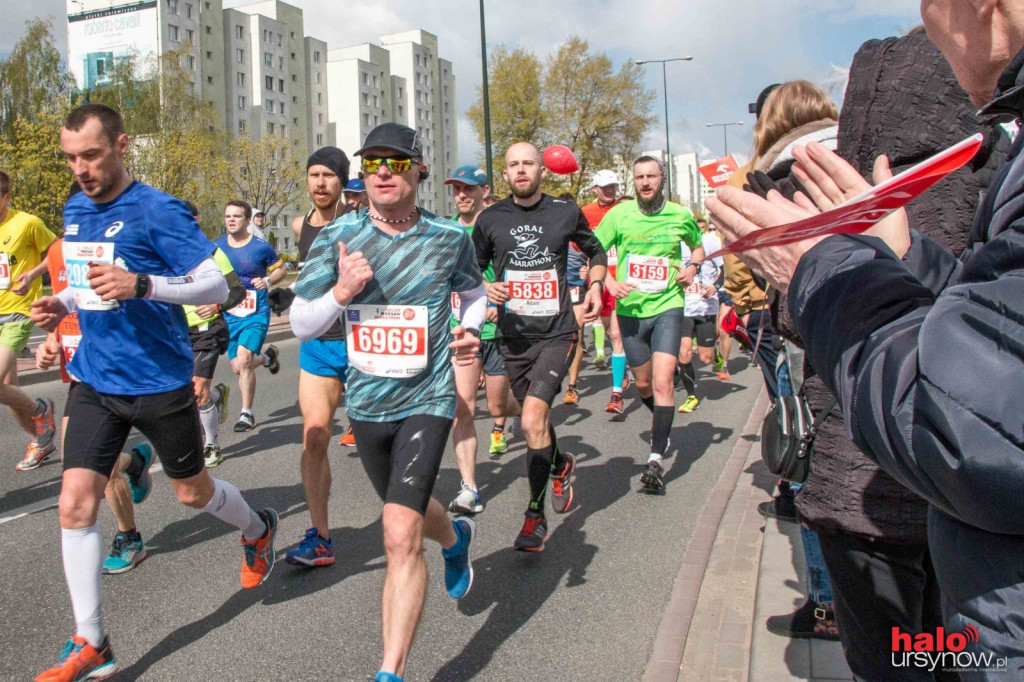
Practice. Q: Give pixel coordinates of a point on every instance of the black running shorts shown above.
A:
(99, 423)
(703, 326)
(643, 336)
(208, 345)
(402, 458)
(537, 366)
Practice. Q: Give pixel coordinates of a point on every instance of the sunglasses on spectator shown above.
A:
(399, 165)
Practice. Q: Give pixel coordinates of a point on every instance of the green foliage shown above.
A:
(34, 83)
(31, 156)
(264, 172)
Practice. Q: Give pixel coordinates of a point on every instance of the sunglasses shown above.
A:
(372, 164)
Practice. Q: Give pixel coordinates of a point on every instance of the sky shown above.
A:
(738, 46)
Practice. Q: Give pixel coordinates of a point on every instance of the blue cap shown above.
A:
(355, 185)
(470, 175)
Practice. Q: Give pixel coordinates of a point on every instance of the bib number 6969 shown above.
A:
(389, 340)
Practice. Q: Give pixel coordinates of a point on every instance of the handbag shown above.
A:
(787, 437)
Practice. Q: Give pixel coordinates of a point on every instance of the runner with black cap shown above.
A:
(390, 272)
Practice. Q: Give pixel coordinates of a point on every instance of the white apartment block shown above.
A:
(404, 81)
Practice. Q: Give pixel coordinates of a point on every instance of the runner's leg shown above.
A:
(318, 400)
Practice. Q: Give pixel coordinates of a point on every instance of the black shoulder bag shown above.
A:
(787, 437)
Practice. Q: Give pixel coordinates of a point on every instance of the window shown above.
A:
(240, 55)
(209, 55)
(286, 238)
(268, 104)
(446, 91)
(172, 6)
(209, 80)
(190, 35)
(280, 40)
(399, 90)
(401, 111)
(209, 30)
(375, 81)
(320, 119)
(280, 85)
(318, 77)
(375, 101)
(366, 99)
(293, 35)
(190, 62)
(283, 131)
(239, 31)
(419, 61)
(295, 120)
(241, 125)
(172, 31)
(366, 119)
(206, 4)
(241, 102)
(270, 128)
(319, 98)
(319, 139)
(192, 87)
(294, 99)
(294, 78)
(266, 35)
(280, 63)
(268, 59)
(293, 56)
(268, 81)
(376, 120)
(239, 78)
(316, 56)
(280, 108)
(188, 10)
(366, 78)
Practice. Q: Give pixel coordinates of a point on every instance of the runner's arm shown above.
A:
(474, 307)
(204, 284)
(589, 244)
(310, 319)
(236, 292)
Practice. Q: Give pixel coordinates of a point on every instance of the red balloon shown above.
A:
(560, 159)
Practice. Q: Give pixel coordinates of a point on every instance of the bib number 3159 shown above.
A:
(387, 340)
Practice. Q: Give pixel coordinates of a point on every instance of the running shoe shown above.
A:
(561, 485)
(349, 439)
(142, 484)
(272, 365)
(313, 551)
(126, 552)
(386, 677)
(572, 396)
(690, 404)
(34, 455)
(458, 570)
(467, 501)
(599, 361)
(533, 534)
(81, 661)
(258, 559)
(246, 422)
(212, 456)
(719, 363)
(499, 446)
(615, 404)
(723, 376)
(46, 428)
(651, 478)
(222, 404)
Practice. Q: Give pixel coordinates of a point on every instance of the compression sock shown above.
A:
(82, 551)
(229, 506)
(557, 460)
(661, 425)
(618, 371)
(689, 376)
(538, 462)
(211, 422)
(598, 329)
(648, 402)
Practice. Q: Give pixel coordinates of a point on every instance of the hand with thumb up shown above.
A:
(353, 273)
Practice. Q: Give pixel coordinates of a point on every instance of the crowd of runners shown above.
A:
(403, 316)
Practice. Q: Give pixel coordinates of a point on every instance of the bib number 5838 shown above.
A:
(532, 291)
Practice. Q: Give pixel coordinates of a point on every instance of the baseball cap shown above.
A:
(756, 107)
(469, 175)
(603, 178)
(396, 137)
(355, 185)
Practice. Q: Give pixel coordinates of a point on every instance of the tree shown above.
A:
(34, 83)
(264, 172)
(40, 177)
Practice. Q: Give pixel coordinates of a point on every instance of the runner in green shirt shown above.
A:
(469, 188)
(648, 287)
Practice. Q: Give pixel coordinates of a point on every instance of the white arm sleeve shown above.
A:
(204, 285)
(310, 319)
(474, 307)
(67, 297)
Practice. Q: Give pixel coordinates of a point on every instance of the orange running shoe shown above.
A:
(81, 661)
(572, 396)
(35, 455)
(723, 376)
(615, 404)
(349, 439)
(258, 560)
(45, 426)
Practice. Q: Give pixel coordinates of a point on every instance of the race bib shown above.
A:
(456, 306)
(532, 293)
(387, 340)
(248, 305)
(576, 295)
(5, 272)
(77, 257)
(648, 274)
(692, 288)
(69, 344)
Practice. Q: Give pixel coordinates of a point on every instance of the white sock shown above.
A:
(229, 506)
(655, 457)
(246, 410)
(211, 422)
(82, 550)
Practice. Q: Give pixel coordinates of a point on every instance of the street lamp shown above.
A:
(487, 104)
(664, 89)
(725, 129)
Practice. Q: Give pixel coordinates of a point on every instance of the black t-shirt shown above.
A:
(528, 248)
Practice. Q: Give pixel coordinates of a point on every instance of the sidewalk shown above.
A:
(738, 570)
(280, 329)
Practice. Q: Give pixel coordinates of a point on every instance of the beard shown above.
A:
(529, 191)
(324, 204)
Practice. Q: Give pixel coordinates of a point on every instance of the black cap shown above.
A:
(331, 157)
(756, 107)
(396, 137)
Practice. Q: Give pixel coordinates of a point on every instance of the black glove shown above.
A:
(760, 184)
(280, 299)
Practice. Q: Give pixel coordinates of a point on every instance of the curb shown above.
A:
(670, 641)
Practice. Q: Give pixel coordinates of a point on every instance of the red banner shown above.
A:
(717, 173)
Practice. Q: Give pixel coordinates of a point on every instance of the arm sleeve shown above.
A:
(587, 241)
(203, 285)
(310, 319)
(918, 374)
(482, 246)
(474, 307)
(236, 292)
(67, 297)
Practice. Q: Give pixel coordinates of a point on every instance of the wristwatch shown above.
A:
(474, 331)
(141, 285)
(596, 281)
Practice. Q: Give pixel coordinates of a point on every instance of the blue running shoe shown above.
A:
(458, 571)
(386, 677)
(126, 552)
(312, 551)
(142, 484)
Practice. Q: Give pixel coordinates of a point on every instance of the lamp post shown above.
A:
(487, 104)
(725, 130)
(664, 89)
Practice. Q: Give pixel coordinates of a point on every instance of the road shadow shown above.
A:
(33, 493)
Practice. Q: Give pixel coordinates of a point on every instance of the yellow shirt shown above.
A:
(23, 239)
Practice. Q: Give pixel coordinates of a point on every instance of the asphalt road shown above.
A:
(587, 608)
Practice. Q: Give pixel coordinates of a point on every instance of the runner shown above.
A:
(713, 242)
(391, 270)
(323, 364)
(470, 188)
(355, 193)
(648, 235)
(526, 237)
(253, 259)
(701, 315)
(23, 240)
(134, 363)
